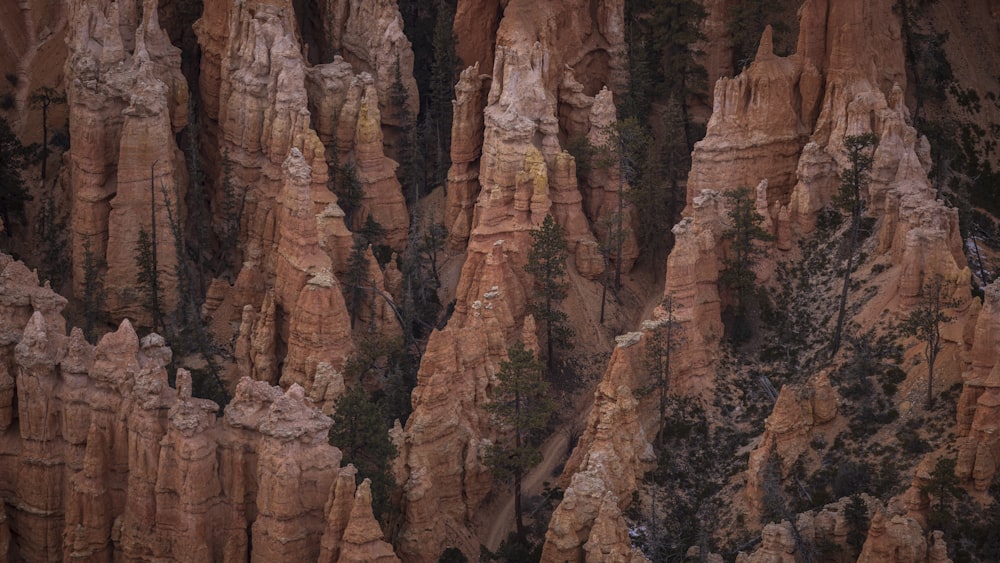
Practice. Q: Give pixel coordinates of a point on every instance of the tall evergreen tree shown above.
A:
(925, 323)
(547, 264)
(926, 60)
(411, 160)
(744, 236)
(148, 277)
(746, 22)
(442, 92)
(43, 98)
(359, 430)
(93, 291)
(13, 160)
(522, 407)
(853, 191)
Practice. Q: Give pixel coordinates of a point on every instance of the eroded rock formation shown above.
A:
(127, 99)
(609, 459)
(799, 411)
(106, 460)
(978, 411)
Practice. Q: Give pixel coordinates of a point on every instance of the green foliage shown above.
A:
(660, 346)
(148, 277)
(444, 72)
(745, 23)
(233, 203)
(522, 407)
(421, 278)
(93, 291)
(925, 323)
(345, 184)
(186, 331)
(383, 362)
(357, 277)
(943, 487)
(547, 264)
(853, 190)
(926, 60)
(625, 150)
(744, 236)
(411, 158)
(658, 194)
(359, 430)
(13, 159)
(43, 98)
(856, 518)
(50, 238)
(663, 61)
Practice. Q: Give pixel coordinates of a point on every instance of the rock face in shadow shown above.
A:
(103, 459)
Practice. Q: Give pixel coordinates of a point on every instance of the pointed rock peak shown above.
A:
(296, 393)
(323, 278)
(251, 402)
(766, 48)
(296, 167)
(362, 528)
(529, 334)
(80, 353)
(291, 417)
(993, 379)
(34, 345)
(124, 342)
(992, 292)
(183, 384)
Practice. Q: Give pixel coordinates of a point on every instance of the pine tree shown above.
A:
(943, 486)
(233, 205)
(411, 174)
(43, 98)
(13, 159)
(853, 190)
(349, 192)
(625, 149)
(522, 407)
(358, 279)
(442, 90)
(359, 430)
(148, 278)
(657, 195)
(926, 59)
(743, 236)
(925, 323)
(660, 345)
(856, 518)
(50, 235)
(93, 291)
(547, 263)
(746, 22)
